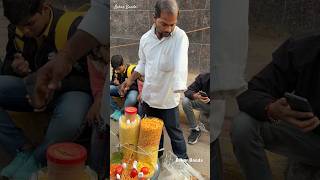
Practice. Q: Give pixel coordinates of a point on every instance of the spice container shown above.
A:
(149, 140)
(66, 161)
(130, 113)
(129, 126)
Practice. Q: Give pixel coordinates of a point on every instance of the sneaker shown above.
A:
(194, 136)
(113, 114)
(15, 164)
(116, 115)
(203, 127)
(29, 167)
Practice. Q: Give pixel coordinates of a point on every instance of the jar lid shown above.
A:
(66, 154)
(130, 110)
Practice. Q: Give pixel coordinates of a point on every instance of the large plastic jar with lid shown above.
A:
(66, 161)
(129, 132)
(130, 114)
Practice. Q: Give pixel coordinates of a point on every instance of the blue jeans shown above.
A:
(131, 98)
(171, 122)
(66, 122)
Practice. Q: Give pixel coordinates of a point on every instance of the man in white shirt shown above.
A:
(163, 54)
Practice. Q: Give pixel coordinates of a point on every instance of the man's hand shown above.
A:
(125, 86)
(20, 65)
(93, 115)
(305, 121)
(49, 79)
(116, 82)
(139, 99)
(197, 96)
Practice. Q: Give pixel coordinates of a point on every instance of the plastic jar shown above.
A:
(130, 113)
(66, 161)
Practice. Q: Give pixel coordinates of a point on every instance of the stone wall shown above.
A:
(290, 16)
(128, 25)
(68, 4)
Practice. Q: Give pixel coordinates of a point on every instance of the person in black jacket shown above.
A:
(31, 44)
(197, 97)
(266, 120)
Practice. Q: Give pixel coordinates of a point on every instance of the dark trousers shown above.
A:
(216, 161)
(171, 122)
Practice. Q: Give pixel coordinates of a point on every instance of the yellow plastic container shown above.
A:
(129, 126)
(149, 140)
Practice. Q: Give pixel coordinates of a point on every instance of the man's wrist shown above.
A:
(97, 96)
(66, 57)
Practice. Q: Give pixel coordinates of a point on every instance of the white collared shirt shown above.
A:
(94, 22)
(164, 63)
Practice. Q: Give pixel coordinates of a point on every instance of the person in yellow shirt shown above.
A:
(120, 72)
(31, 45)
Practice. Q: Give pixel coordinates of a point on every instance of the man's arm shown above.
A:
(134, 76)
(140, 68)
(269, 85)
(76, 48)
(97, 79)
(95, 21)
(181, 64)
(92, 31)
(50, 75)
(193, 88)
(10, 51)
(138, 71)
(113, 77)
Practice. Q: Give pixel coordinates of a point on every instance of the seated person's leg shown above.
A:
(114, 91)
(66, 123)
(13, 97)
(131, 98)
(249, 147)
(204, 123)
(250, 137)
(188, 106)
(13, 94)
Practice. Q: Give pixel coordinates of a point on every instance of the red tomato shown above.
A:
(145, 170)
(119, 170)
(133, 173)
